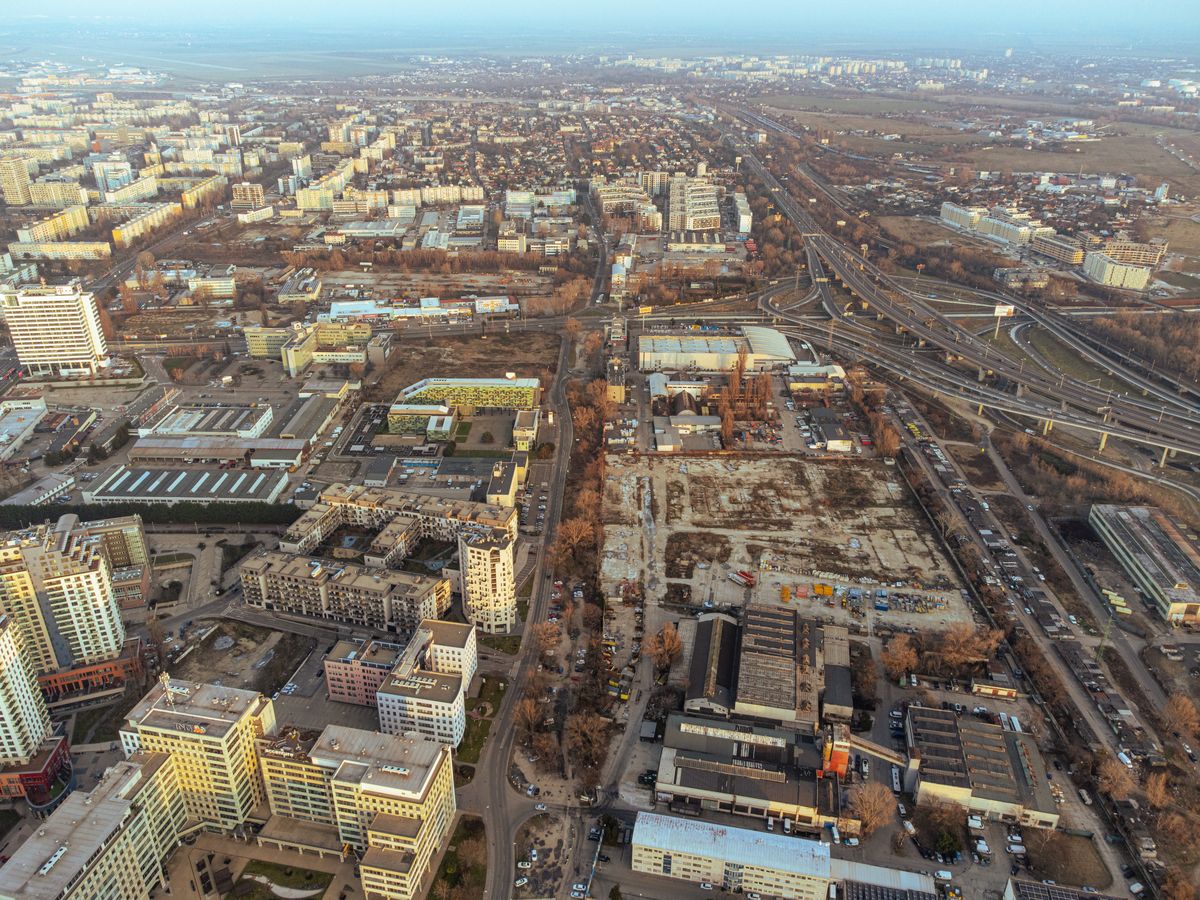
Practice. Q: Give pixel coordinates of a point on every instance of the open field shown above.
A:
(682, 524)
(1066, 360)
(527, 354)
(859, 105)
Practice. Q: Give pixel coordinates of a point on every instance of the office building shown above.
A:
(986, 769)
(24, 721)
(56, 330)
(112, 842)
(428, 703)
(56, 586)
(389, 797)
(1161, 555)
(415, 405)
(1043, 890)
(210, 732)
(14, 181)
(967, 217)
(1105, 270)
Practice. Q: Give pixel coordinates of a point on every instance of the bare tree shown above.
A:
(1114, 778)
(664, 646)
(899, 657)
(527, 716)
(1182, 713)
(1158, 790)
(586, 738)
(547, 636)
(872, 805)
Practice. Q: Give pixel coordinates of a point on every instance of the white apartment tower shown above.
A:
(56, 586)
(57, 330)
(487, 581)
(14, 181)
(692, 205)
(24, 722)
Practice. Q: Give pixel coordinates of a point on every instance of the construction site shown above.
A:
(839, 540)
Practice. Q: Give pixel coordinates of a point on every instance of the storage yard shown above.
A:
(839, 540)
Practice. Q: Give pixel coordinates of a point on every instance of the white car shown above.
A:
(541, 807)
(524, 864)
(521, 882)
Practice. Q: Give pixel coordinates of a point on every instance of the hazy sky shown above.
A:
(877, 18)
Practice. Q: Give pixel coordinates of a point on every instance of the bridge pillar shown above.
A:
(1047, 426)
(1162, 462)
(1103, 440)
(1062, 404)
(1020, 389)
(982, 374)
(980, 409)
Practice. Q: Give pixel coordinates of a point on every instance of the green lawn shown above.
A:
(505, 643)
(168, 559)
(464, 429)
(474, 738)
(484, 454)
(288, 876)
(492, 691)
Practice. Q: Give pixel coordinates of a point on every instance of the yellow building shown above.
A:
(210, 189)
(56, 227)
(266, 343)
(56, 585)
(152, 217)
(390, 797)
(487, 584)
(211, 732)
(111, 842)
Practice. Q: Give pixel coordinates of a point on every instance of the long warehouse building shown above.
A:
(137, 484)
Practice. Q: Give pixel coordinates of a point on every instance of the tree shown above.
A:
(546, 635)
(487, 438)
(1114, 778)
(545, 747)
(1158, 792)
(871, 804)
(527, 716)
(586, 736)
(664, 646)
(572, 329)
(1179, 885)
(899, 657)
(1182, 713)
(157, 639)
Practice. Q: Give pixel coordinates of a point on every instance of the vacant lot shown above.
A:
(682, 525)
(242, 656)
(527, 354)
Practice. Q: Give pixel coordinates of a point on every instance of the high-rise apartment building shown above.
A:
(692, 205)
(487, 582)
(111, 842)
(56, 585)
(24, 721)
(56, 330)
(248, 195)
(390, 797)
(112, 174)
(14, 181)
(210, 732)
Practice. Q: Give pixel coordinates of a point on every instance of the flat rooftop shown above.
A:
(448, 634)
(193, 707)
(394, 763)
(422, 684)
(54, 855)
(211, 419)
(197, 485)
(372, 653)
(742, 846)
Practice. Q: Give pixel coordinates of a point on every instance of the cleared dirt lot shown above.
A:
(682, 525)
(528, 354)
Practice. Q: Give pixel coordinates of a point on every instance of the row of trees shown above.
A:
(1168, 342)
(957, 652)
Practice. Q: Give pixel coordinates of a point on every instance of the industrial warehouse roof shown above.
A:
(734, 845)
(170, 485)
(767, 342)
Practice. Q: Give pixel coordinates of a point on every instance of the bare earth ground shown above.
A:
(683, 524)
(527, 354)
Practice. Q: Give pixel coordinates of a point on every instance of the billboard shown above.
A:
(1003, 311)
